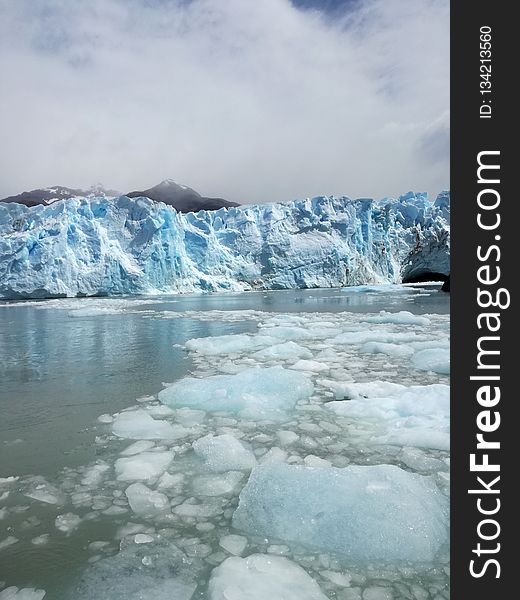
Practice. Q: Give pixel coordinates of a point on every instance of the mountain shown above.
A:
(182, 198)
(49, 195)
(96, 246)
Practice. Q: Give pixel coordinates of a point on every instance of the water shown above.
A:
(65, 362)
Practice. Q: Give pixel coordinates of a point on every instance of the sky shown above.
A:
(253, 101)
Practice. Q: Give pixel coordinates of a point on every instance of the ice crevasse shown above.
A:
(99, 246)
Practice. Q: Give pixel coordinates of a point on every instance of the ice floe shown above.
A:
(253, 393)
(366, 513)
(261, 576)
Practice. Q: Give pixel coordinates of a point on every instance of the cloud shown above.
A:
(252, 101)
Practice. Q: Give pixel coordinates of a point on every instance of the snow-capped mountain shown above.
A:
(94, 245)
(52, 194)
(181, 197)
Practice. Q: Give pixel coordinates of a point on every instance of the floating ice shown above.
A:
(376, 335)
(310, 365)
(402, 317)
(287, 437)
(224, 453)
(146, 502)
(94, 475)
(396, 350)
(139, 425)
(366, 513)
(253, 393)
(285, 351)
(227, 344)
(433, 359)
(158, 571)
(217, 485)
(67, 522)
(143, 466)
(234, 544)
(137, 448)
(8, 541)
(143, 538)
(287, 333)
(43, 491)
(13, 593)
(418, 415)
(262, 576)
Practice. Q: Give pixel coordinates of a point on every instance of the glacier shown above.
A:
(96, 246)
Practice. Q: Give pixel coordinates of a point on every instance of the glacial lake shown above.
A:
(68, 525)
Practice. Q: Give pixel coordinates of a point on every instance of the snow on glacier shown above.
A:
(99, 246)
(364, 512)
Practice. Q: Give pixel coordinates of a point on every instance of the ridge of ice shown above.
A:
(98, 246)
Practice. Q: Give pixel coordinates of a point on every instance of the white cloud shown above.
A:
(252, 101)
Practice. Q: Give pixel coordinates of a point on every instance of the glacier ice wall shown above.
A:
(99, 246)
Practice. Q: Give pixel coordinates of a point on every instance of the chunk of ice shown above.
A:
(217, 485)
(224, 453)
(254, 393)
(363, 512)
(227, 344)
(418, 415)
(144, 466)
(67, 522)
(396, 350)
(285, 351)
(14, 593)
(139, 425)
(402, 317)
(137, 448)
(433, 359)
(234, 544)
(146, 502)
(310, 365)
(262, 576)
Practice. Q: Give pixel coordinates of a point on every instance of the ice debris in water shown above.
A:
(365, 513)
(67, 522)
(284, 351)
(139, 425)
(416, 415)
(224, 453)
(218, 484)
(254, 393)
(433, 359)
(234, 544)
(146, 502)
(143, 466)
(227, 344)
(261, 576)
(402, 317)
(151, 571)
(14, 593)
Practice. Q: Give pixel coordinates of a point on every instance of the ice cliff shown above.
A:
(100, 246)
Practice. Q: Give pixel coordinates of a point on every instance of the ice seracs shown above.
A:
(99, 246)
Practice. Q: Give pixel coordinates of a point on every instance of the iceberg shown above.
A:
(365, 513)
(92, 246)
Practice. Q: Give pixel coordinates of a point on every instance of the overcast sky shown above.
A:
(254, 101)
